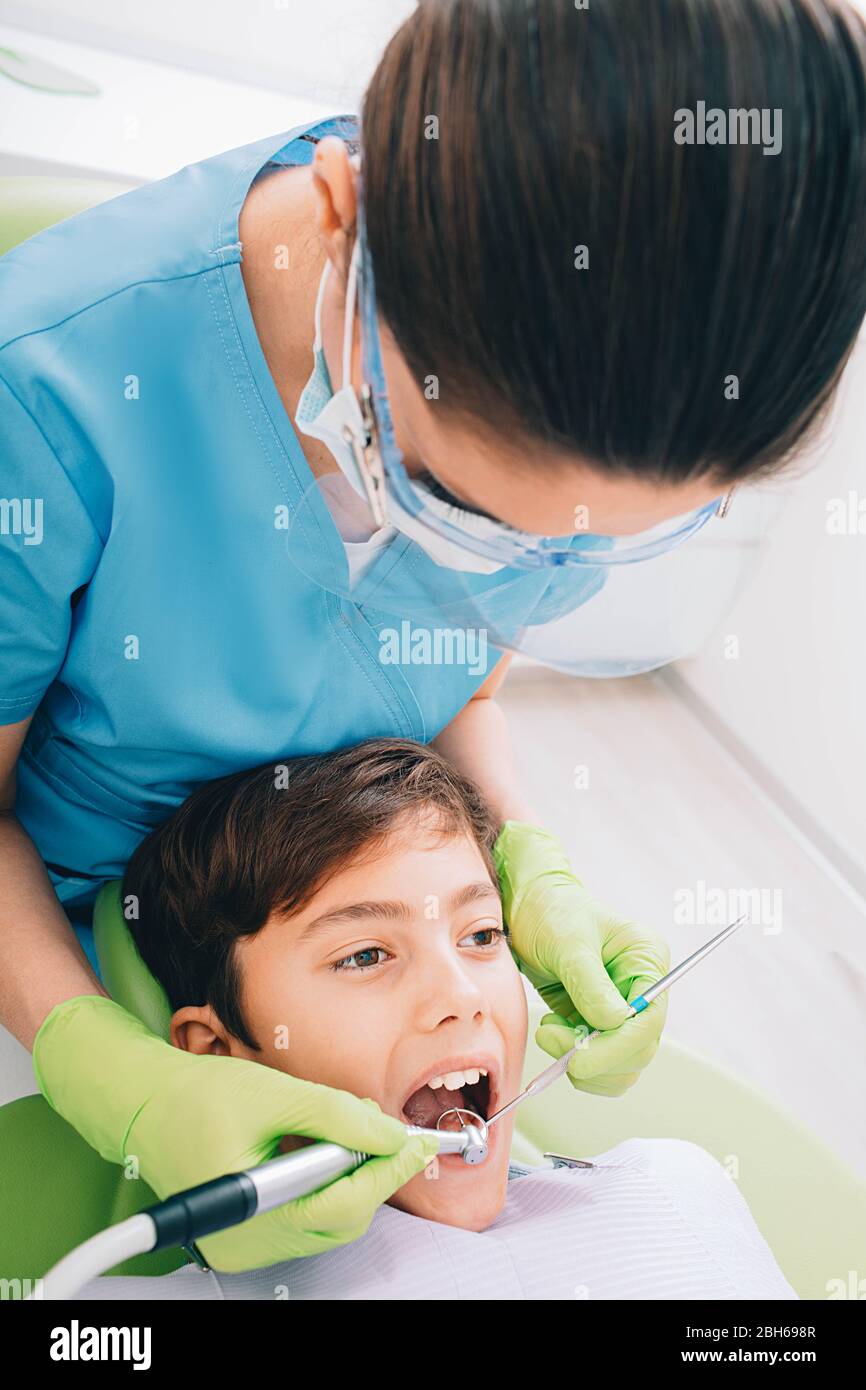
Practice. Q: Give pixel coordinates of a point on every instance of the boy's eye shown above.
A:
(497, 933)
(361, 957)
(371, 956)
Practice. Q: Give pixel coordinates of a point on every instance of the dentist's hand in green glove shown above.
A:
(585, 963)
(186, 1118)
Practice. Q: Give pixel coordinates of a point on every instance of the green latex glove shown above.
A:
(585, 963)
(188, 1118)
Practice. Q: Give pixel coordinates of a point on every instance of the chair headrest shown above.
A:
(124, 973)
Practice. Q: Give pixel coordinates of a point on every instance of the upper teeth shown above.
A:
(456, 1080)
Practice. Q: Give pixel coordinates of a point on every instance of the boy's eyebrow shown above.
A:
(394, 911)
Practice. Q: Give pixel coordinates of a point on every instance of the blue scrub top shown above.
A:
(149, 613)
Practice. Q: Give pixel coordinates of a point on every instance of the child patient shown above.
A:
(338, 918)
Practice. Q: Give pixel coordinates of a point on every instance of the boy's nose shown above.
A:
(447, 989)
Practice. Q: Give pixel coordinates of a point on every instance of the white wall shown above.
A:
(796, 694)
(322, 49)
(796, 698)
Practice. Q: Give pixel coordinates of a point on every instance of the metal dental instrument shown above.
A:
(637, 1006)
(226, 1201)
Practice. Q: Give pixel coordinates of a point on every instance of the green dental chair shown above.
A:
(57, 1191)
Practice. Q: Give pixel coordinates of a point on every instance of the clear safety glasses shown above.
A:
(380, 464)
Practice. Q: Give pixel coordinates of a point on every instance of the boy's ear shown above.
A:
(198, 1029)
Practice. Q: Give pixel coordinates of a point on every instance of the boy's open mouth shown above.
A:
(466, 1088)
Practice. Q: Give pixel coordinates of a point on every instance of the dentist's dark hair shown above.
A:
(499, 135)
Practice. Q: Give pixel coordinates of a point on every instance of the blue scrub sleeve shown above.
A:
(49, 547)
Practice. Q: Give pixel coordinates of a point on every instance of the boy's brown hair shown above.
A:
(263, 841)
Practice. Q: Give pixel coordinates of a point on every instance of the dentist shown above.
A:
(549, 341)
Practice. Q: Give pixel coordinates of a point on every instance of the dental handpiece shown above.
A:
(305, 1170)
(226, 1201)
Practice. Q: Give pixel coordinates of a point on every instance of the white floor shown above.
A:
(666, 808)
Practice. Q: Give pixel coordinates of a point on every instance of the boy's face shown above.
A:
(395, 974)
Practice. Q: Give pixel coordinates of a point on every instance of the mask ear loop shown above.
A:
(349, 317)
(349, 320)
(317, 313)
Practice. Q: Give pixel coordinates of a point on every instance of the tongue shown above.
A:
(425, 1106)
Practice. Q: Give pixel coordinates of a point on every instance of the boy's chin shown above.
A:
(471, 1206)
